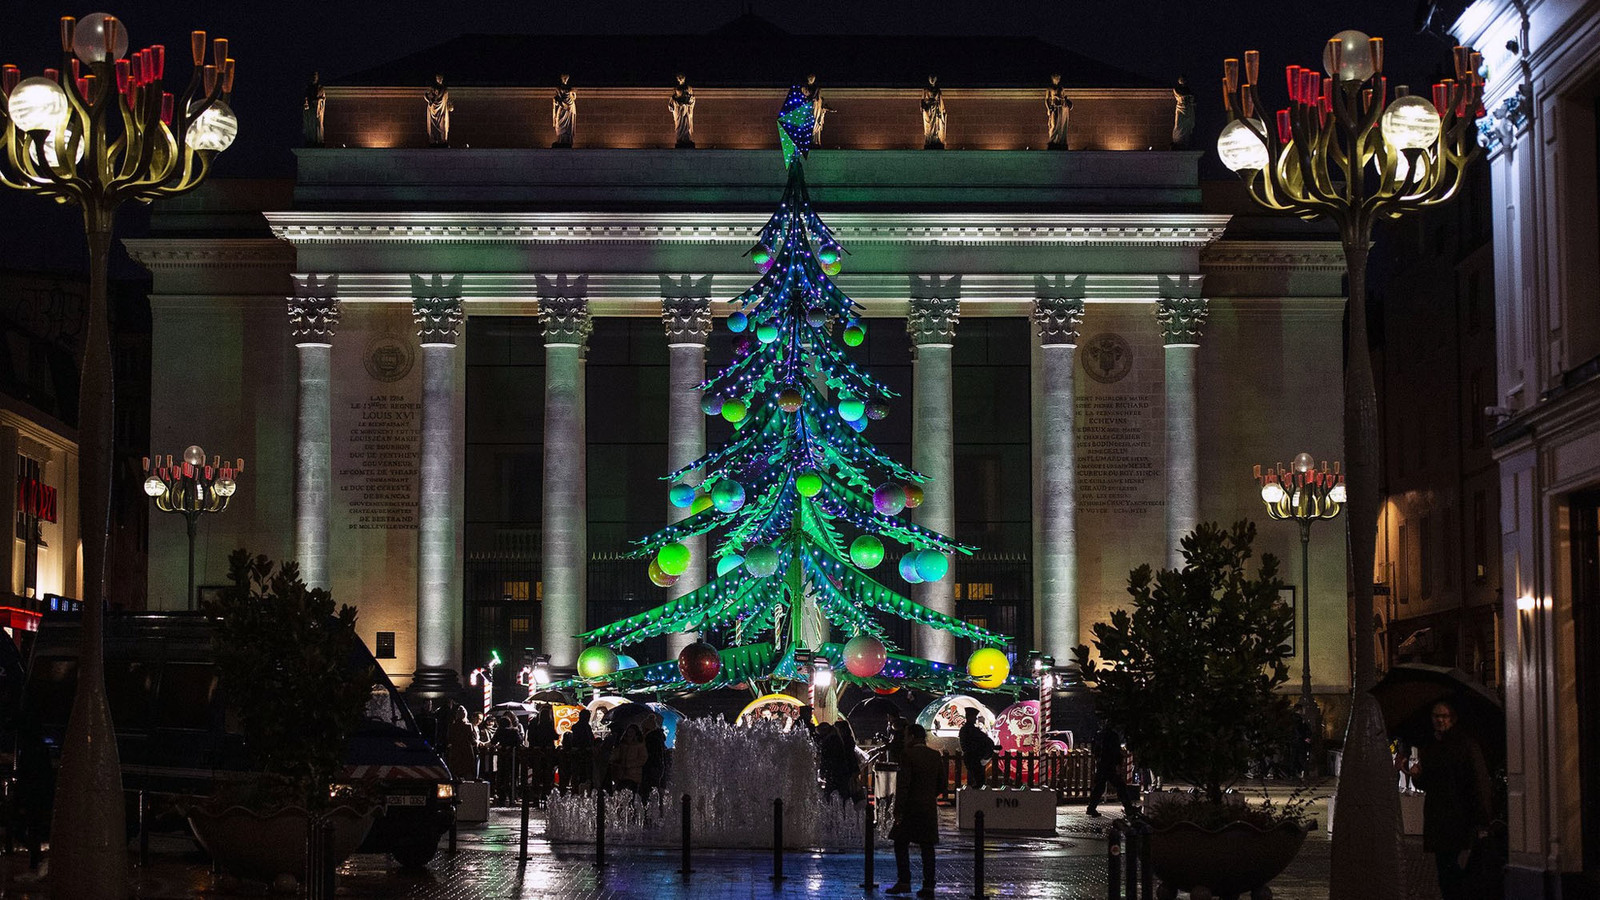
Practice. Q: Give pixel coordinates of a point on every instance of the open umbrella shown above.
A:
(1407, 694)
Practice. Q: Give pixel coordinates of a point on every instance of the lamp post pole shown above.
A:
(192, 488)
(1344, 151)
(96, 132)
(1304, 494)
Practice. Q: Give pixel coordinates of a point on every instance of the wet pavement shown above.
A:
(1070, 864)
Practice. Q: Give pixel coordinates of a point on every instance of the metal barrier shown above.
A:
(319, 883)
(1069, 774)
(1128, 843)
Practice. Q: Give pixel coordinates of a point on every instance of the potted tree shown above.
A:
(285, 653)
(1190, 677)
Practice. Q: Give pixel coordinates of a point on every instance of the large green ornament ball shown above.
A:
(673, 558)
(734, 411)
(851, 409)
(597, 662)
(854, 335)
(932, 565)
(761, 561)
(809, 484)
(728, 495)
(866, 551)
(766, 332)
(702, 502)
(660, 578)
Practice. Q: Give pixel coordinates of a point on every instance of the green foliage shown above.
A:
(1266, 814)
(1189, 676)
(285, 651)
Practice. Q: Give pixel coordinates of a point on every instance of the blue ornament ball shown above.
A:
(738, 322)
(711, 405)
(681, 495)
(908, 568)
(932, 565)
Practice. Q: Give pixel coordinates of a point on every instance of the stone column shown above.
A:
(564, 310)
(935, 310)
(438, 313)
(1181, 313)
(686, 314)
(1057, 319)
(313, 317)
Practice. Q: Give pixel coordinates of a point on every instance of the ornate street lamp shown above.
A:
(1305, 494)
(192, 488)
(1344, 151)
(97, 132)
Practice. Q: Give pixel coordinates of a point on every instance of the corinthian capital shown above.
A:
(1181, 311)
(564, 310)
(686, 309)
(935, 309)
(314, 309)
(436, 308)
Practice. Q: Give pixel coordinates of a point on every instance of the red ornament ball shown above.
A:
(699, 662)
(885, 691)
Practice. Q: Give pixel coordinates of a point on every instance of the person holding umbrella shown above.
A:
(1455, 811)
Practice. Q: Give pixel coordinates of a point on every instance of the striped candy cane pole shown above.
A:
(482, 676)
(1046, 694)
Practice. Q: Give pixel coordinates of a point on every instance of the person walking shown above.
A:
(977, 748)
(461, 747)
(916, 804)
(1109, 769)
(1455, 810)
(628, 759)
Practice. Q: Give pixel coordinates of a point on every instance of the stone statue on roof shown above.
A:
(681, 105)
(439, 106)
(933, 116)
(1182, 114)
(316, 106)
(1057, 113)
(819, 109)
(564, 112)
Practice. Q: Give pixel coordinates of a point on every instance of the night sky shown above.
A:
(278, 43)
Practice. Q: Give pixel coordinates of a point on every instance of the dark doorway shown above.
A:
(1585, 512)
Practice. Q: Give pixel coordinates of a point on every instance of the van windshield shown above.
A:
(384, 710)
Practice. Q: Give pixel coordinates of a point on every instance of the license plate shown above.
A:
(409, 800)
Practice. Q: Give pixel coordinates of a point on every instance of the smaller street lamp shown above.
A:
(192, 488)
(1304, 494)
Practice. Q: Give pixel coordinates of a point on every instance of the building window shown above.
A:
(514, 591)
(385, 645)
(1475, 406)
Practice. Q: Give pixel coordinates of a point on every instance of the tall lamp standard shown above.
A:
(1305, 494)
(192, 488)
(97, 132)
(1344, 151)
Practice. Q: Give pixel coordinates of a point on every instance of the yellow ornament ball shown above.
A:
(988, 667)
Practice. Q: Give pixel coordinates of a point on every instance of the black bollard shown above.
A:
(599, 827)
(1113, 870)
(867, 881)
(311, 859)
(144, 831)
(686, 869)
(527, 798)
(777, 841)
(325, 842)
(1146, 877)
(454, 827)
(977, 855)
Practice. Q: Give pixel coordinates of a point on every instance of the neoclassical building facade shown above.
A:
(490, 353)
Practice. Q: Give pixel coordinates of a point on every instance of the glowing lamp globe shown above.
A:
(699, 662)
(225, 487)
(154, 486)
(1242, 149)
(864, 656)
(1303, 462)
(908, 568)
(790, 400)
(37, 104)
(660, 578)
(89, 38)
(913, 496)
(734, 411)
(761, 562)
(194, 455)
(866, 551)
(854, 335)
(761, 256)
(681, 495)
(889, 499)
(214, 129)
(1272, 492)
(808, 484)
(597, 662)
(816, 318)
(738, 322)
(727, 496)
(728, 563)
(1410, 123)
(766, 332)
(932, 565)
(711, 405)
(877, 410)
(702, 502)
(988, 667)
(1355, 56)
(673, 558)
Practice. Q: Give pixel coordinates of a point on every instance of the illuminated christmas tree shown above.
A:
(804, 504)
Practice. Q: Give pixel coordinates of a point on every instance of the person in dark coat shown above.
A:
(916, 805)
(1455, 810)
(655, 761)
(894, 737)
(461, 747)
(1109, 769)
(977, 748)
(577, 754)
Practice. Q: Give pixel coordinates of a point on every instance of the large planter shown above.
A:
(1232, 860)
(248, 844)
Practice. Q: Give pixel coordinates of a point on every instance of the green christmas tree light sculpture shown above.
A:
(802, 500)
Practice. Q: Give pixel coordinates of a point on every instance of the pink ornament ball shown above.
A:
(865, 655)
(889, 499)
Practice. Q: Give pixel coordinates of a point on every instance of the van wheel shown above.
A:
(416, 856)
